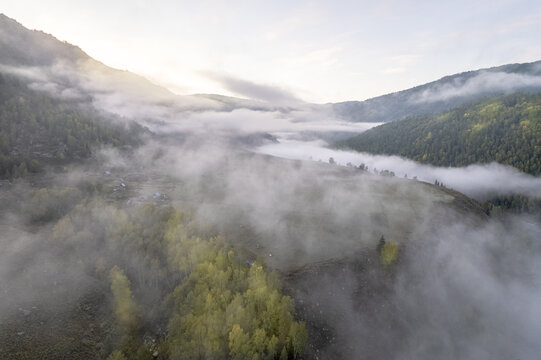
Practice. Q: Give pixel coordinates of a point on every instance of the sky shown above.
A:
(319, 51)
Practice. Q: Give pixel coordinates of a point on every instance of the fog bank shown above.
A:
(479, 181)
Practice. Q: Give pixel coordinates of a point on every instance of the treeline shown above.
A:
(177, 291)
(512, 203)
(505, 129)
(37, 130)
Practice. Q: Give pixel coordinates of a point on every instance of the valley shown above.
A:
(136, 223)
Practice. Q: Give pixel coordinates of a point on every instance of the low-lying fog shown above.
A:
(480, 181)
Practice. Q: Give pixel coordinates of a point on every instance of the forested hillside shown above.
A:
(38, 130)
(144, 282)
(504, 129)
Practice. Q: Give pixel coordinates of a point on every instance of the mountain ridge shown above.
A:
(453, 90)
(57, 64)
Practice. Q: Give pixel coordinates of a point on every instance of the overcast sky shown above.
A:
(320, 51)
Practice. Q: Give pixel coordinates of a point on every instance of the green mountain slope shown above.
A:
(37, 130)
(505, 129)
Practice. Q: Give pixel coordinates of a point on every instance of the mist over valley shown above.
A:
(137, 223)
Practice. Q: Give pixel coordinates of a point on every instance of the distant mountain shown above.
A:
(505, 129)
(65, 71)
(444, 94)
(23, 50)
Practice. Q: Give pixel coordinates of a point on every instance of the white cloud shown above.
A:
(484, 82)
